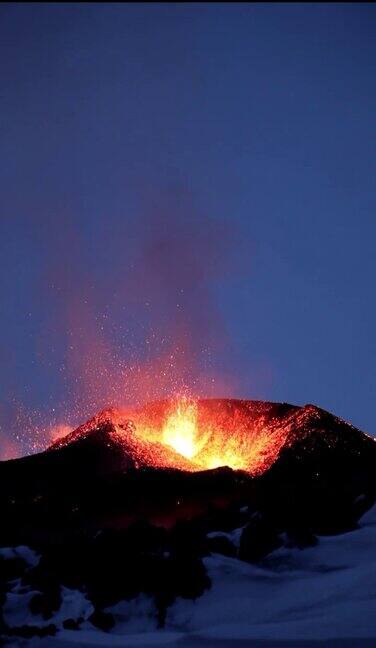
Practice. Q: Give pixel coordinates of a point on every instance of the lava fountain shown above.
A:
(195, 434)
(210, 433)
(180, 430)
(186, 436)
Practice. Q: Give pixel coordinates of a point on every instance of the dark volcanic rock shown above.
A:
(314, 473)
(102, 620)
(301, 538)
(46, 603)
(324, 478)
(222, 545)
(72, 624)
(11, 568)
(259, 538)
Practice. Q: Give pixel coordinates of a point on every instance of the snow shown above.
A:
(323, 595)
(27, 554)
(233, 536)
(16, 608)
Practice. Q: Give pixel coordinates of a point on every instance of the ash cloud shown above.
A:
(131, 309)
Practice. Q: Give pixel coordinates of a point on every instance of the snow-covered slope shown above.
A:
(324, 594)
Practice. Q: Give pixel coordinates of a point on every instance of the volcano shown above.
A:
(134, 502)
(175, 459)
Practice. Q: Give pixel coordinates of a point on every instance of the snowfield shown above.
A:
(321, 595)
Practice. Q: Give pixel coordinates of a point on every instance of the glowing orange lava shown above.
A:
(197, 434)
(210, 433)
(180, 430)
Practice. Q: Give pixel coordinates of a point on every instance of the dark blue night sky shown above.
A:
(200, 176)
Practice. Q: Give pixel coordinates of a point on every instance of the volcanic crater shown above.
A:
(193, 435)
(176, 458)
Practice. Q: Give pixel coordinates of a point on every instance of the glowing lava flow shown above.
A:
(180, 429)
(181, 432)
(201, 434)
(244, 435)
(195, 434)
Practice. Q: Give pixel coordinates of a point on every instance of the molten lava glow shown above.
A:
(180, 429)
(189, 437)
(215, 433)
(193, 435)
